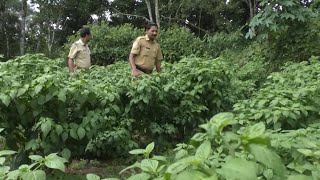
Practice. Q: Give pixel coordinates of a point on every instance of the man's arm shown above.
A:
(158, 66)
(71, 65)
(132, 61)
(134, 71)
(158, 60)
(72, 54)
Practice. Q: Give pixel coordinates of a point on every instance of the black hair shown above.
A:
(84, 31)
(149, 25)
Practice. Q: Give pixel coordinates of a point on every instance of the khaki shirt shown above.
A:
(147, 51)
(80, 53)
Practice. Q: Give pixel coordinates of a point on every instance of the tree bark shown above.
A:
(149, 10)
(7, 42)
(252, 7)
(23, 26)
(39, 38)
(157, 12)
(50, 39)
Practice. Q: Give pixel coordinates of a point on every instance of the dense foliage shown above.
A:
(103, 110)
(110, 44)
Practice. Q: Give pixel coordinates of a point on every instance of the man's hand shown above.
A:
(135, 72)
(72, 74)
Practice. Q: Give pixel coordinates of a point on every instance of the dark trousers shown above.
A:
(144, 70)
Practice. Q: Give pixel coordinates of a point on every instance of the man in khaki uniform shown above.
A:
(79, 55)
(146, 53)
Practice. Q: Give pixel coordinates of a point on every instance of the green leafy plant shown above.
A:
(34, 171)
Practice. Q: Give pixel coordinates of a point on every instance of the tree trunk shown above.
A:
(39, 38)
(252, 7)
(156, 9)
(149, 9)
(23, 26)
(7, 42)
(50, 40)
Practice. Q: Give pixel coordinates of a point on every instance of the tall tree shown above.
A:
(148, 3)
(23, 15)
(9, 27)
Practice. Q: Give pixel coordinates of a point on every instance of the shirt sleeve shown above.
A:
(159, 54)
(73, 51)
(135, 47)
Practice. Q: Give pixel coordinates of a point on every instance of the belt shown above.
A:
(144, 70)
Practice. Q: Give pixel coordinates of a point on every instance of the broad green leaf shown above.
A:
(239, 169)
(54, 137)
(64, 136)
(46, 128)
(199, 137)
(182, 164)
(300, 177)
(24, 168)
(135, 165)
(222, 120)
(36, 158)
(4, 170)
(2, 160)
(7, 152)
(141, 176)
(116, 109)
(204, 150)
(255, 134)
(137, 151)
(306, 152)
(149, 165)
(66, 153)
(181, 154)
(34, 175)
(191, 175)
(5, 99)
(92, 177)
(268, 173)
(81, 133)
(73, 134)
(21, 109)
(268, 158)
(55, 162)
(22, 90)
(159, 158)
(37, 89)
(62, 96)
(111, 97)
(13, 174)
(149, 149)
(59, 129)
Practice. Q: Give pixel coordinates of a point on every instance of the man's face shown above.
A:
(152, 32)
(88, 37)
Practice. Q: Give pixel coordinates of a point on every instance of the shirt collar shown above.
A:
(147, 38)
(80, 41)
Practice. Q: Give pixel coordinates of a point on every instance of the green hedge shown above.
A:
(110, 44)
(104, 111)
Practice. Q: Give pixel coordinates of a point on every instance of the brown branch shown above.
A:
(134, 15)
(188, 23)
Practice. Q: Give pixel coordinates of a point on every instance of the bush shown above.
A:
(177, 43)
(108, 44)
(111, 44)
(40, 106)
(288, 100)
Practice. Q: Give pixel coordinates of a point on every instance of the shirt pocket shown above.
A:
(148, 51)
